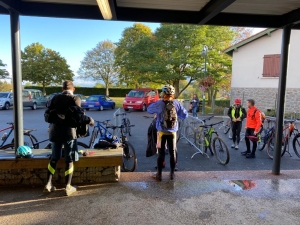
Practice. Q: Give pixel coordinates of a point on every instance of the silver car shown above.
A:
(33, 98)
(6, 100)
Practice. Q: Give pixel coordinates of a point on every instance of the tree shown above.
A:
(44, 66)
(130, 37)
(4, 86)
(99, 85)
(241, 33)
(98, 64)
(3, 72)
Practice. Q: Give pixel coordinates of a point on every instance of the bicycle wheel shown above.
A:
(227, 126)
(261, 143)
(200, 138)
(82, 145)
(128, 128)
(221, 150)
(129, 158)
(189, 134)
(296, 145)
(94, 136)
(271, 147)
(8, 147)
(29, 140)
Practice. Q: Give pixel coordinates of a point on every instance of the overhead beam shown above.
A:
(112, 4)
(292, 17)
(3, 10)
(11, 5)
(213, 8)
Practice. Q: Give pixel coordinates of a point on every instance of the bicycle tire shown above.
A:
(227, 126)
(261, 145)
(189, 134)
(33, 143)
(222, 147)
(296, 140)
(85, 146)
(271, 147)
(8, 147)
(128, 126)
(128, 156)
(94, 136)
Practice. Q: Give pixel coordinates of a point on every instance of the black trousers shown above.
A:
(250, 132)
(236, 128)
(169, 139)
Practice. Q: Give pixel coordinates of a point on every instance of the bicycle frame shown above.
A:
(9, 133)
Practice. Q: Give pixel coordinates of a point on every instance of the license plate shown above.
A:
(129, 107)
(91, 106)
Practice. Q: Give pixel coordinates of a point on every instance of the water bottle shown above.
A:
(4, 136)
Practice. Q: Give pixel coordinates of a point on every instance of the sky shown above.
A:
(70, 37)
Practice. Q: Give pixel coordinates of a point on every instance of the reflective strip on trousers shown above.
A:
(69, 171)
(51, 169)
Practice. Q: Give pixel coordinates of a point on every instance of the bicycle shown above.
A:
(26, 132)
(128, 150)
(126, 123)
(265, 134)
(288, 131)
(205, 138)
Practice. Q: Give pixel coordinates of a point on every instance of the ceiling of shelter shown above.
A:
(249, 13)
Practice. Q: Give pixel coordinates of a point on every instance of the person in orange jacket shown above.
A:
(253, 126)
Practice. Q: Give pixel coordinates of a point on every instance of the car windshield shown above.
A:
(136, 94)
(3, 95)
(93, 99)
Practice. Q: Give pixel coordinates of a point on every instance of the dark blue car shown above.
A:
(99, 102)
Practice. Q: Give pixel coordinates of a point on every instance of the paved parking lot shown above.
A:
(35, 119)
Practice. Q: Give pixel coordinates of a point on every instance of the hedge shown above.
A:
(223, 103)
(113, 92)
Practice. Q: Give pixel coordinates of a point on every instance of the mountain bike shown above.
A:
(289, 130)
(265, 134)
(101, 130)
(126, 124)
(28, 137)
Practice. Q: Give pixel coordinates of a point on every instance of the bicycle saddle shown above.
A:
(29, 130)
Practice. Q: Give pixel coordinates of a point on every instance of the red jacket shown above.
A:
(254, 119)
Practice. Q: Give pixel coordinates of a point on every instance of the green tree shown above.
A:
(44, 66)
(4, 86)
(99, 85)
(3, 72)
(130, 36)
(98, 64)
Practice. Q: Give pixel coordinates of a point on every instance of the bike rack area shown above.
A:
(195, 123)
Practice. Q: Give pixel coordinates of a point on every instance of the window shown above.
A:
(271, 65)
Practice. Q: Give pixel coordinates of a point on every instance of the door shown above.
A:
(109, 102)
(11, 99)
(26, 98)
(103, 102)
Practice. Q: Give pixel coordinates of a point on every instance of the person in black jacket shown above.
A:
(237, 114)
(63, 135)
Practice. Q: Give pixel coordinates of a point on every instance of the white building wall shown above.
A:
(247, 62)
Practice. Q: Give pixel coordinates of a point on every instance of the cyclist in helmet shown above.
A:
(167, 111)
(237, 114)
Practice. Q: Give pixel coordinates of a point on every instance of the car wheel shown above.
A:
(113, 106)
(101, 108)
(144, 109)
(6, 106)
(126, 110)
(34, 106)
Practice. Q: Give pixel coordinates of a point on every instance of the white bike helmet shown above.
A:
(168, 89)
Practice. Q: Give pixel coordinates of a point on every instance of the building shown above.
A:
(255, 69)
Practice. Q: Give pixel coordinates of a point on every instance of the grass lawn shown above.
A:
(118, 101)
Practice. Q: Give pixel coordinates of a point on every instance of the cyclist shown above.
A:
(237, 114)
(195, 104)
(61, 134)
(167, 111)
(253, 126)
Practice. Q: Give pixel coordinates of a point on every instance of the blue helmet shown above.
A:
(24, 151)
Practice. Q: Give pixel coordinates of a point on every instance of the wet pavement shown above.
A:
(188, 200)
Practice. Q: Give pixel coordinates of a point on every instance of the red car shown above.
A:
(140, 99)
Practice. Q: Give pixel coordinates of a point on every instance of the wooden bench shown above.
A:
(102, 166)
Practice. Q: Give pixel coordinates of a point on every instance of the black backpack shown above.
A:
(169, 115)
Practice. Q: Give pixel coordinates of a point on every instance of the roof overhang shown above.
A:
(247, 13)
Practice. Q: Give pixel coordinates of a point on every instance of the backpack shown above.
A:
(262, 115)
(169, 115)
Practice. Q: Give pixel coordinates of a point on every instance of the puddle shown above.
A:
(240, 185)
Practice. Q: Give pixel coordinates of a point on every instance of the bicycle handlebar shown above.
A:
(102, 122)
(122, 114)
(211, 125)
(208, 118)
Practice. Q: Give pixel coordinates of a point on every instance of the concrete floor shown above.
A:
(194, 198)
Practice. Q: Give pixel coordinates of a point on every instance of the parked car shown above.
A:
(6, 100)
(99, 102)
(140, 99)
(33, 98)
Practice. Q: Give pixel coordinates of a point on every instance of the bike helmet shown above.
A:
(253, 138)
(168, 89)
(24, 151)
(238, 101)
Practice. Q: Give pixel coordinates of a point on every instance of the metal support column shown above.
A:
(286, 34)
(17, 78)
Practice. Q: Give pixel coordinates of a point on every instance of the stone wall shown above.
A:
(38, 176)
(266, 98)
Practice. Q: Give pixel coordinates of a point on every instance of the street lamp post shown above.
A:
(204, 54)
